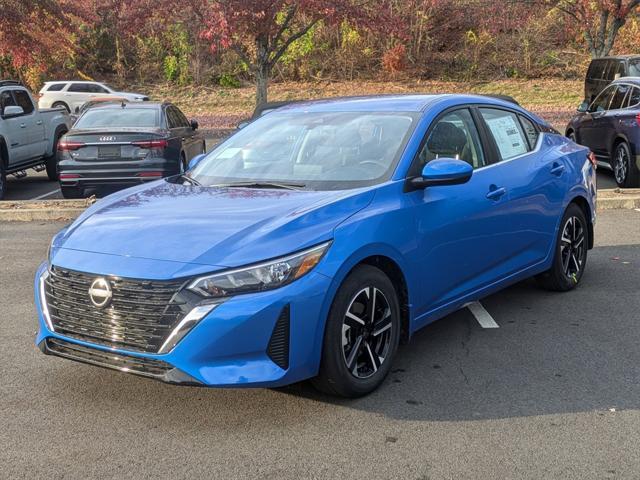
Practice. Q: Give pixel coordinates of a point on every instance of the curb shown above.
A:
(43, 210)
(61, 210)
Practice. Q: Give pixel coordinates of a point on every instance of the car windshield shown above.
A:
(320, 151)
(119, 117)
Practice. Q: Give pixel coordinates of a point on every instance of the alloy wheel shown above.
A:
(366, 332)
(572, 247)
(620, 165)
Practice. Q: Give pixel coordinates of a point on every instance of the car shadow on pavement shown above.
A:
(553, 353)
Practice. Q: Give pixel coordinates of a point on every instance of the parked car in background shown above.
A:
(114, 146)
(610, 127)
(73, 94)
(263, 110)
(603, 71)
(92, 103)
(309, 243)
(28, 135)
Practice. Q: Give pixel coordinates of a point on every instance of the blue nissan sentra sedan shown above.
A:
(313, 241)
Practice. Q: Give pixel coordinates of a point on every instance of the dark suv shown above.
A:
(610, 127)
(603, 71)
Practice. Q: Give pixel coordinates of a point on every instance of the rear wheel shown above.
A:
(624, 167)
(572, 136)
(183, 163)
(72, 192)
(570, 257)
(361, 335)
(61, 105)
(3, 176)
(51, 163)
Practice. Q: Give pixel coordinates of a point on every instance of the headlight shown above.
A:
(256, 278)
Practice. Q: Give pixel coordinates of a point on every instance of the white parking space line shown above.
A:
(45, 195)
(484, 318)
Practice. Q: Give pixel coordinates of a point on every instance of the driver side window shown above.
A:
(453, 136)
(602, 101)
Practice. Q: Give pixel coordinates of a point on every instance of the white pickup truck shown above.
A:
(28, 136)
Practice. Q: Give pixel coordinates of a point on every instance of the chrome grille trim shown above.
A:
(141, 316)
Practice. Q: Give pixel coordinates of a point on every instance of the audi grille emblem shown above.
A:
(107, 139)
(100, 292)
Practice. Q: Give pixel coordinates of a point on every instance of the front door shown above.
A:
(462, 230)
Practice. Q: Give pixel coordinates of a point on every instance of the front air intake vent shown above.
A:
(278, 349)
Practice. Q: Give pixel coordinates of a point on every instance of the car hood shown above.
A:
(217, 227)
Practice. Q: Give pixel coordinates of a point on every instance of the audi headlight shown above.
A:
(256, 278)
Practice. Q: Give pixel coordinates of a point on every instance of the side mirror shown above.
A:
(77, 110)
(443, 171)
(243, 124)
(194, 124)
(196, 160)
(583, 107)
(12, 111)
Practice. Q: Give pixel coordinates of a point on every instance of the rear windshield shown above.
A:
(120, 117)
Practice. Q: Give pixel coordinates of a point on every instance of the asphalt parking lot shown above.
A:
(554, 392)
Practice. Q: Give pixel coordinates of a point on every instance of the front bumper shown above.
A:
(229, 347)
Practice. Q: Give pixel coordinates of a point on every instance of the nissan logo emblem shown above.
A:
(100, 292)
(107, 139)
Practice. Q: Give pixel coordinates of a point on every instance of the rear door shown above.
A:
(181, 129)
(536, 184)
(611, 121)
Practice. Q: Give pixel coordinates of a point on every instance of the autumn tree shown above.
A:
(261, 31)
(599, 20)
(34, 32)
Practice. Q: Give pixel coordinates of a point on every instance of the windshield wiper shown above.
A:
(284, 186)
(190, 180)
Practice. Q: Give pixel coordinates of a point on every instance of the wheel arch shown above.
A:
(617, 140)
(583, 203)
(61, 103)
(59, 132)
(4, 152)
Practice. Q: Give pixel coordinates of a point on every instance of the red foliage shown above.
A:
(394, 60)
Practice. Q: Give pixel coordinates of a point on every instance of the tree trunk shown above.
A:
(262, 70)
(262, 84)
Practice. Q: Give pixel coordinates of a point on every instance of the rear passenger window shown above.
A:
(23, 100)
(56, 87)
(634, 97)
(618, 98)
(530, 131)
(78, 87)
(506, 131)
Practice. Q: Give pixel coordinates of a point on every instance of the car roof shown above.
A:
(616, 57)
(129, 105)
(73, 81)
(634, 80)
(394, 103)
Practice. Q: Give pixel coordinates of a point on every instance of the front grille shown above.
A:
(278, 349)
(139, 317)
(127, 363)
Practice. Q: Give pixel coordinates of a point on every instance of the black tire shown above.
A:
(570, 258)
(72, 192)
(625, 170)
(184, 166)
(61, 105)
(204, 147)
(3, 176)
(572, 136)
(51, 163)
(335, 377)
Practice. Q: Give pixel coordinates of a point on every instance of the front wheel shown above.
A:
(361, 335)
(3, 178)
(570, 258)
(624, 167)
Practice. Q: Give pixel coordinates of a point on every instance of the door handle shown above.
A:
(22, 125)
(39, 122)
(495, 193)
(557, 169)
